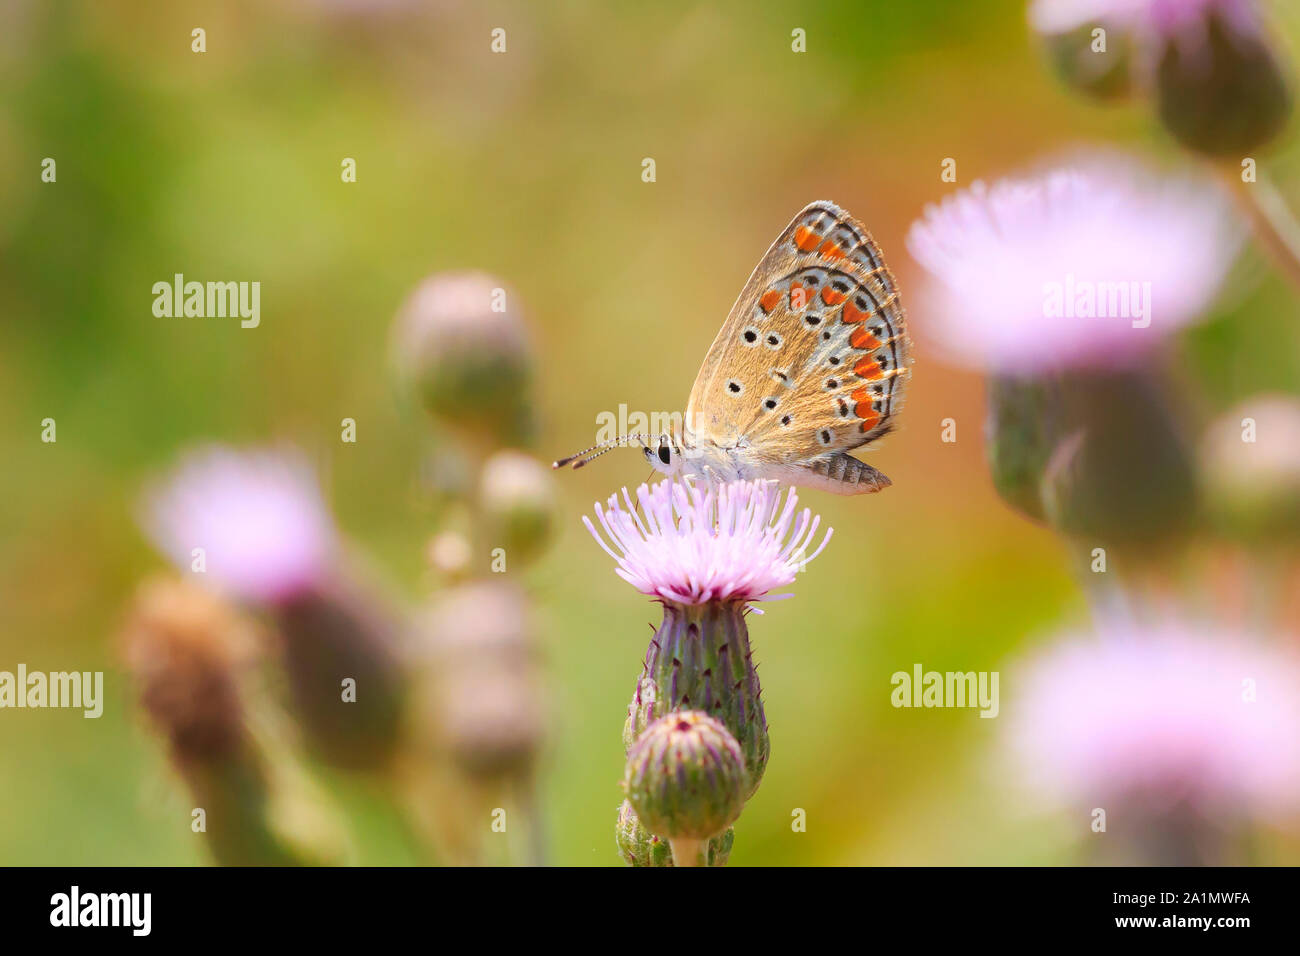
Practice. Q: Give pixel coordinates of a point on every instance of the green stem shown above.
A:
(1273, 223)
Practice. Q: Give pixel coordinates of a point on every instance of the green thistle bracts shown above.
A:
(700, 659)
(639, 847)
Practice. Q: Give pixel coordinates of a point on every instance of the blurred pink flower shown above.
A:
(1165, 17)
(1087, 266)
(1163, 714)
(695, 544)
(258, 516)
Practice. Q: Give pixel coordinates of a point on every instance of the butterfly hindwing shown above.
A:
(813, 357)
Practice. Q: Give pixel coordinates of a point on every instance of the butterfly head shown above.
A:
(664, 454)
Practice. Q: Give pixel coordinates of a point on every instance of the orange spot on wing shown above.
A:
(831, 250)
(805, 240)
(799, 297)
(870, 420)
(859, 394)
(831, 297)
(862, 339)
(852, 314)
(867, 368)
(769, 300)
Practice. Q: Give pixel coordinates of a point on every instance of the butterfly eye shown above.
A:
(785, 419)
(824, 436)
(774, 341)
(734, 387)
(665, 454)
(769, 403)
(750, 336)
(813, 320)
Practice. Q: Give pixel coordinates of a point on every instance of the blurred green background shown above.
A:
(225, 165)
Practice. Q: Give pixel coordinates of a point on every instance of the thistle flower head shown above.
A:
(691, 543)
(1087, 266)
(258, 517)
(1168, 715)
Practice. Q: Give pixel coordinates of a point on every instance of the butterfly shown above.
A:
(811, 363)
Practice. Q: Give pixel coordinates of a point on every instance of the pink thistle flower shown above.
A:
(697, 544)
(1161, 17)
(258, 516)
(1085, 267)
(1167, 715)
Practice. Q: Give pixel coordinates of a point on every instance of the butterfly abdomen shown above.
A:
(842, 474)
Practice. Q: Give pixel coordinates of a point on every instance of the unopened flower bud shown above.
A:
(1093, 59)
(450, 554)
(1250, 467)
(482, 691)
(1122, 471)
(186, 649)
(343, 659)
(185, 646)
(685, 778)
(462, 346)
(1222, 89)
(518, 498)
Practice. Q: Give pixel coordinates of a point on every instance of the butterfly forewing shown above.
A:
(813, 358)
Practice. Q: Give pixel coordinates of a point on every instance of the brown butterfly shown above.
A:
(811, 363)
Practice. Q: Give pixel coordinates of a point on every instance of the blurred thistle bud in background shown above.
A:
(1064, 287)
(1213, 66)
(450, 554)
(1095, 58)
(483, 694)
(1126, 473)
(1183, 736)
(1250, 466)
(1223, 91)
(461, 345)
(517, 499)
(186, 650)
(254, 525)
(686, 780)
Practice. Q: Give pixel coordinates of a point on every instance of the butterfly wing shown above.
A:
(813, 358)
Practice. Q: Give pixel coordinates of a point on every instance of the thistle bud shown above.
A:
(343, 659)
(1250, 467)
(686, 780)
(186, 649)
(518, 498)
(450, 554)
(1123, 470)
(184, 646)
(639, 847)
(1094, 60)
(461, 345)
(482, 694)
(1222, 90)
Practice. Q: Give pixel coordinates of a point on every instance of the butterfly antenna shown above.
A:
(578, 459)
